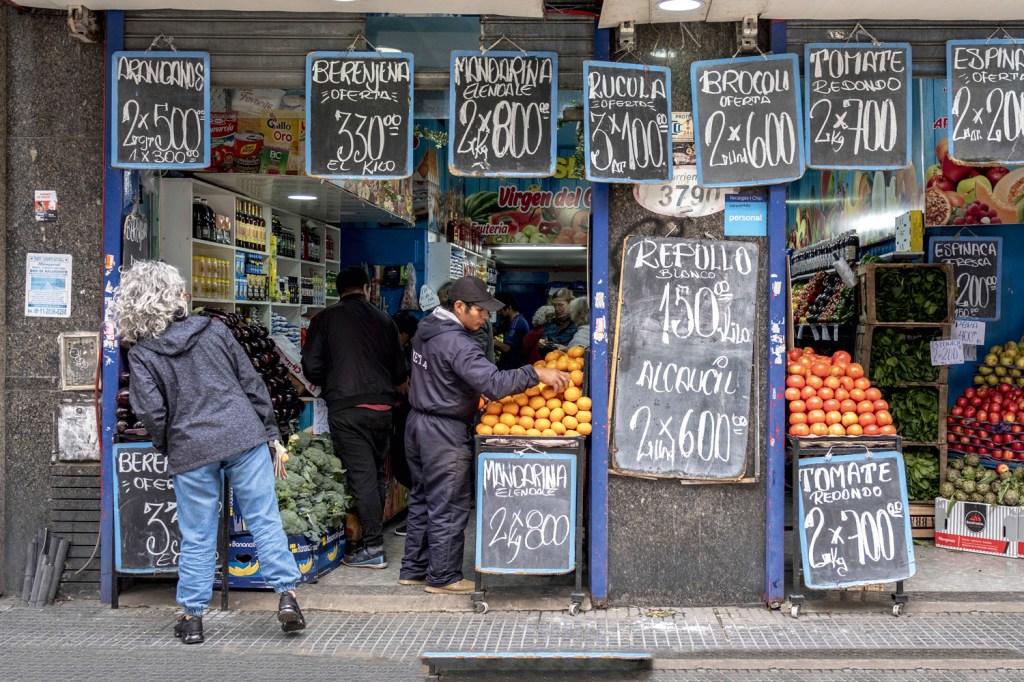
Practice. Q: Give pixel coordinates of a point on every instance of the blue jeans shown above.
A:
(198, 493)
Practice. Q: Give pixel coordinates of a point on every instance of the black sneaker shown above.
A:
(365, 557)
(189, 630)
(402, 530)
(289, 614)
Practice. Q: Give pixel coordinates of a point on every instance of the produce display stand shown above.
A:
(567, 449)
(818, 447)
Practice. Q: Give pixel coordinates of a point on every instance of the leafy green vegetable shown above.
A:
(915, 413)
(900, 357)
(910, 294)
(922, 466)
(313, 497)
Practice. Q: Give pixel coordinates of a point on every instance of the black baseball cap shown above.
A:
(472, 290)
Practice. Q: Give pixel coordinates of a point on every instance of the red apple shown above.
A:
(957, 412)
(970, 412)
(961, 402)
(976, 401)
(969, 393)
(982, 415)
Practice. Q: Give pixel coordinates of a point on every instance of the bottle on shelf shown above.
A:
(329, 247)
(198, 218)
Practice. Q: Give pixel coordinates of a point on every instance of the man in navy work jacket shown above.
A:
(449, 373)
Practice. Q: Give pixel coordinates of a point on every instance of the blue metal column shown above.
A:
(776, 424)
(113, 191)
(599, 374)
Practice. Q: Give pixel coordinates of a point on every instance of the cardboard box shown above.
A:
(292, 359)
(244, 564)
(910, 231)
(922, 520)
(330, 551)
(978, 527)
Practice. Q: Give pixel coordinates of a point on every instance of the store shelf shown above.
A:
(252, 302)
(213, 246)
(333, 298)
(286, 259)
(214, 300)
(333, 262)
(285, 305)
(252, 251)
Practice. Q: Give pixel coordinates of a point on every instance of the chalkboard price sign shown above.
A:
(683, 358)
(985, 100)
(977, 272)
(147, 539)
(359, 115)
(526, 520)
(627, 110)
(502, 113)
(161, 110)
(853, 520)
(858, 105)
(747, 121)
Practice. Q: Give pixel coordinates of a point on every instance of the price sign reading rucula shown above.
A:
(359, 113)
(748, 121)
(161, 110)
(502, 114)
(985, 95)
(858, 105)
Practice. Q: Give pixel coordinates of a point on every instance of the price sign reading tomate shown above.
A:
(359, 112)
(161, 106)
(501, 121)
(748, 123)
(985, 95)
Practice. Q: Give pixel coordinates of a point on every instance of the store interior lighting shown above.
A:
(680, 5)
(302, 197)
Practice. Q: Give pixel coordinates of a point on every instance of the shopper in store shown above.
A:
(354, 355)
(407, 325)
(579, 313)
(484, 335)
(449, 373)
(561, 329)
(541, 317)
(514, 328)
(210, 413)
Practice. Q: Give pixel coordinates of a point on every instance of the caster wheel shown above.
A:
(794, 611)
(574, 609)
(897, 609)
(480, 607)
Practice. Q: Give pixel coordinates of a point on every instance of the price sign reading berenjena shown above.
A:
(627, 110)
(985, 100)
(977, 271)
(147, 539)
(359, 115)
(858, 105)
(683, 355)
(853, 520)
(161, 110)
(502, 114)
(747, 121)
(526, 516)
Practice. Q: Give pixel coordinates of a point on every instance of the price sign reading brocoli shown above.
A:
(985, 95)
(161, 104)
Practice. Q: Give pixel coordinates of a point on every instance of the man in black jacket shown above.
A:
(352, 352)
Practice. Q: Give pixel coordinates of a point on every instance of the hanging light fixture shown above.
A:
(680, 5)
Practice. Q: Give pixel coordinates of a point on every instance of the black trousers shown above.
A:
(360, 440)
(399, 462)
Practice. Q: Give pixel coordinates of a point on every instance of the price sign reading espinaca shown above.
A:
(359, 113)
(748, 122)
(161, 105)
(501, 121)
(985, 94)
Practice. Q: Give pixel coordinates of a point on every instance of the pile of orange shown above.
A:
(541, 410)
(830, 396)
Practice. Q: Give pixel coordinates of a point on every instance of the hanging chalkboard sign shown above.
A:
(977, 272)
(627, 110)
(985, 100)
(526, 516)
(160, 105)
(502, 120)
(146, 535)
(359, 115)
(858, 105)
(683, 357)
(747, 121)
(853, 520)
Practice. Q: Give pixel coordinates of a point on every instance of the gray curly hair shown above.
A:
(543, 315)
(579, 311)
(150, 296)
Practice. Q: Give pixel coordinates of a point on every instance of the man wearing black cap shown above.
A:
(353, 353)
(449, 373)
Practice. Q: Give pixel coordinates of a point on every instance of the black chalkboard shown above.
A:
(747, 121)
(627, 109)
(147, 539)
(160, 104)
(858, 105)
(683, 357)
(977, 272)
(502, 119)
(985, 100)
(853, 520)
(526, 512)
(359, 115)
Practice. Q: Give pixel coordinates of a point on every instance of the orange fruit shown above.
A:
(550, 365)
(573, 366)
(570, 408)
(583, 403)
(836, 430)
(576, 352)
(570, 422)
(584, 429)
(483, 430)
(516, 430)
(552, 356)
(531, 392)
(798, 418)
(833, 418)
(792, 394)
(494, 408)
(819, 429)
(583, 417)
(571, 432)
(526, 422)
(507, 419)
(537, 402)
(541, 424)
(539, 364)
(558, 427)
(511, 408)
(883, 418)
(500, 429)
(854, 430)
(557, 414)
(872, 394)
(799, 430)
(572, 394)
(521, 399)
(795, 381)
(532, 432)
(562, 364)
(489, 419)
(553, 403)
(814, 403)
(542, 413)
(482, 404)
(798, 406)
(527, 412)
(816, 416)
(576, 377)
(507, 400)
(849, 419)
(548, 393)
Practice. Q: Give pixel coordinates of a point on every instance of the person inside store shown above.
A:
(407, 325)
(353, 353)
(210, 413)
(579, 313)
(541, 317)
(449, 374)
(484, 335)
(514, 329)
(561, 329)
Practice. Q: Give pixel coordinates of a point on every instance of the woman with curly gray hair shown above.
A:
(210, 413)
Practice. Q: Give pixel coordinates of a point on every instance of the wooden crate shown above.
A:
(865, 339)
(943, 409)
(922, 520)
(868, 276)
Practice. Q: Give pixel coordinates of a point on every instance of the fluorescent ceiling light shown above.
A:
(302, 197)
(680, 5)
(537, 247)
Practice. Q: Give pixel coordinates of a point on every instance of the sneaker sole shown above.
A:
(378, 567)
(442, 590)
(290, 621)
(412, 582)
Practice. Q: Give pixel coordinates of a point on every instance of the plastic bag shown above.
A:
(409, 300)
(428, 299)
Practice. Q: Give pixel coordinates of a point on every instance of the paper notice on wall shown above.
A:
(947, 352)
(48, 285)
(45, 206)
(320, 424)
(971, 332)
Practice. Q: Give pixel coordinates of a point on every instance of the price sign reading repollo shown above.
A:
(858, 105)
(985, 94)
(501, 121)
(683, 354)
(359, 112)
(626, 122)
(161, 110)
(748, 122)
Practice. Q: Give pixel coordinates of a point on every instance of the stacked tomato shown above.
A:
(830, 396)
